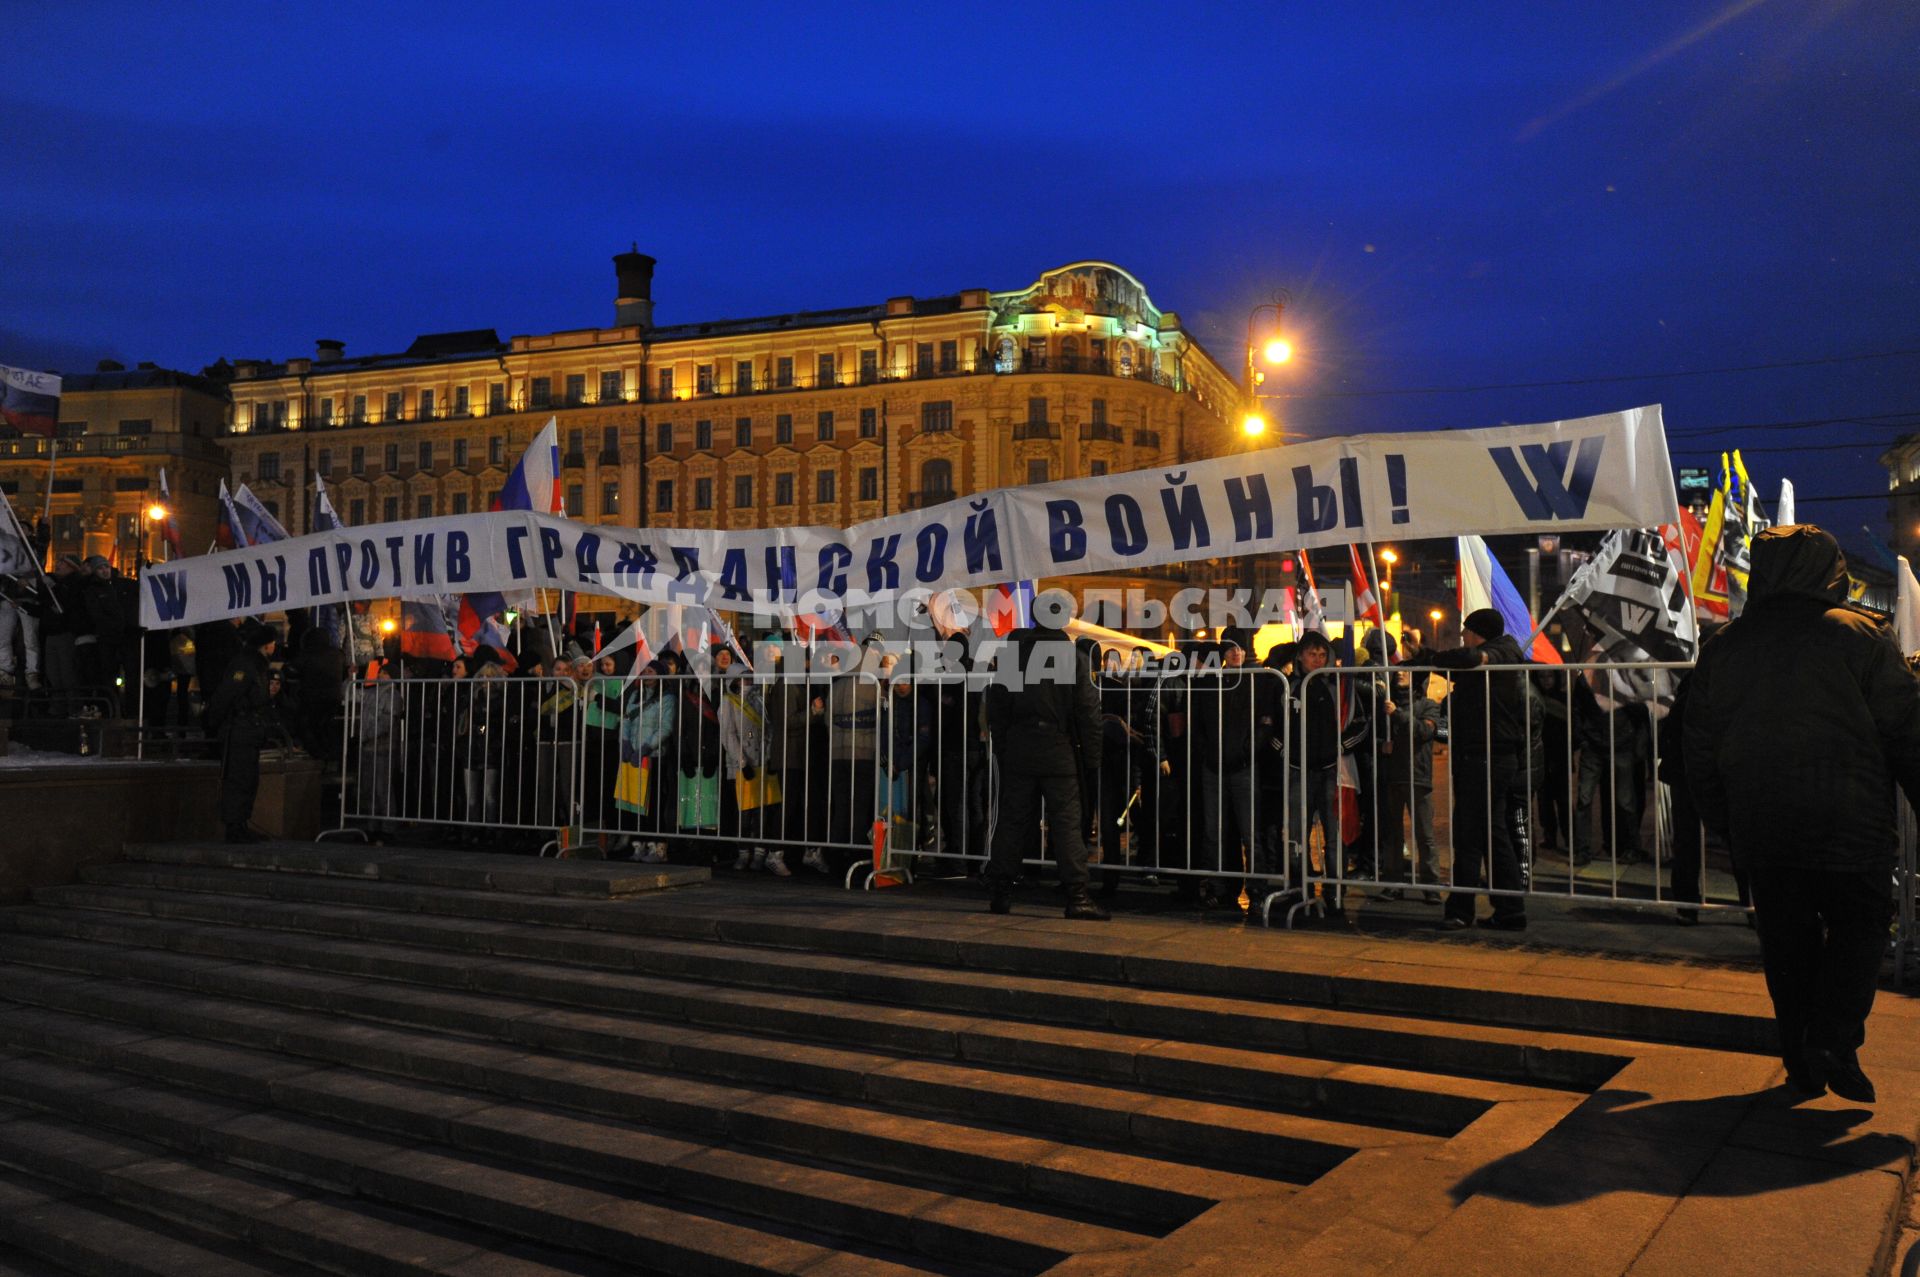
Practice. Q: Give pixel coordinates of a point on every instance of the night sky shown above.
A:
(1458, 198)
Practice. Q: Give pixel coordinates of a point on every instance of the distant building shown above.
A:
(1902, 461)
(117, 429)
(817, 417)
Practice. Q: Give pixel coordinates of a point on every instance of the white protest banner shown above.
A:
(1591, 474)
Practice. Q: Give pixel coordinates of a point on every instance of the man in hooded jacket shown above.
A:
(1801, 718)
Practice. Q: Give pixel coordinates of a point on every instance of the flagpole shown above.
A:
(46, 505)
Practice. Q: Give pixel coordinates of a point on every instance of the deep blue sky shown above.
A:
(1456, 195)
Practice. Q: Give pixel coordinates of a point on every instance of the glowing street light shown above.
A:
(156, 512)
(1253, 425)
(1279, 350)
(389, 625)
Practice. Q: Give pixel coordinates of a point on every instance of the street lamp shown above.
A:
(156, 512)
(1275, 350)
(1253, 425)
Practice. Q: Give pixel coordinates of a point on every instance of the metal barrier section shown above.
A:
(766, 763)
(1190, 787)
(1906, 936)
(1410, 780)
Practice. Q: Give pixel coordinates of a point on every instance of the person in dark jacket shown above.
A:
(1801, 718)
(1317, 703)
(321, 674)
(1488, 736)
(1406, 775)
(242, 714)
(1044, 717)
(1233, 721)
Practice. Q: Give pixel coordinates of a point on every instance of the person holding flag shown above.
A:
(1488, 737)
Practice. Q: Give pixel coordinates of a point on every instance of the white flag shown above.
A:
(1633, 597)
(1784, 512)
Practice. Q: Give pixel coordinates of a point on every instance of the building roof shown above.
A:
(144, 378)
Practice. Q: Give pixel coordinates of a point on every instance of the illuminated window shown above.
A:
(609, 500)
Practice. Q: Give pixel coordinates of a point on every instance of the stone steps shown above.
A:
(1388, 1096)
(379, 913)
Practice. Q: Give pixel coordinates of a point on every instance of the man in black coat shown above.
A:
(1801, 718)
(1488, 739)
(242, 714)
(1044, 717)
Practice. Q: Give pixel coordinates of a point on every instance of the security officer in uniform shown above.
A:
(242, 715)
(1044, 716)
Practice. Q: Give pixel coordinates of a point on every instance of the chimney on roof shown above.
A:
(633, 302)
(328, 351)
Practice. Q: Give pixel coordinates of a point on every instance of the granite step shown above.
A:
(624, 1014)
(1214, 1135)
(1271, 972)
(512, 875)
(410, 1085)
(626, 1158)
(1386, 1040)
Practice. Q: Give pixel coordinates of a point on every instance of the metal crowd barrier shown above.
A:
(1190, 788)
(1578, 804)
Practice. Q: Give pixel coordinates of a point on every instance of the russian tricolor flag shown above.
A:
(423, 630)
(1010, 607)
(535, 482)
(1484, 583)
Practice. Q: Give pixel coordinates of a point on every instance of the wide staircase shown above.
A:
(291, 1059)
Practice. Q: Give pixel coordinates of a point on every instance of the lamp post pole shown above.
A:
(1278, 350)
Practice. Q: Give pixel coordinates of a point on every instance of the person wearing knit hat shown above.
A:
(1488, 741)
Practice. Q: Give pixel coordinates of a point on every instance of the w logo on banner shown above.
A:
(1543, 488)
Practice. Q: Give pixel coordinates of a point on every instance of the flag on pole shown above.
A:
(1783, 514)
(1010, 607)
(1906, 609)
(1633, 598)
(30, 401)
(424, 630)
(256, 520)
(169, 527)
(227, 531)
(1484, 583)
(1366, 606)
(535, 482)
(1313, 613)
(325, 519)
(16, 555)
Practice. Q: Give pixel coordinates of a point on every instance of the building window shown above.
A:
(359, 410)
(541, 395)
(1037, 470)
(663, 496)
(610, 387)
(356, 512)
(326, 412)
(609, 500)
(703, 436)
(923, 358)
(576, 449)
(703, 494)
(426, 454)
(823, 426)
(783, 371)
(869, 367)
(1037, 412)
(426, 405)
(392, 457)
(1099, 410)
(743, 432)
(823, 487)
(666, 383)
(783, 428)
(743, 492)
(323, 462)
(869, 423)
(423, 507)
(137, 426)
(576, 389)
(459, 503)
(937, 415)
(393, 406)
(663, 436)
(869, 483)
(270, 465)
(461, 401)
(1097, 351)
(390, 510)
(783, 489)
(576, 500)
(610, 445)
(459, 454)
(496, 397)
(493, 498)
(496, 451)
(358, 461)
(936, 480)
(949, 356)
(742, 376)
(703, 379)
(827, 371)
(1096, 468)
(1036, 352)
